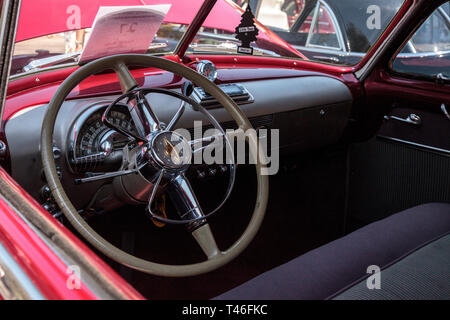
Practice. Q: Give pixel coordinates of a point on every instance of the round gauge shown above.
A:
(207, 69)
(94, 137)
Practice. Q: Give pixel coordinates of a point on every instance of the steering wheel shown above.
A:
(152, 167)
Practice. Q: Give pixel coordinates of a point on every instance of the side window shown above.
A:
(427, 54)
(324, 30)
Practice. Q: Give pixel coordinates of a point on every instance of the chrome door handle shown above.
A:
(444, 110)
(413, 119)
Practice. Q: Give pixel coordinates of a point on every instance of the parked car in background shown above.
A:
(292, 8)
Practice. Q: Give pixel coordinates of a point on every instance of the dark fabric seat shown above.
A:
(412, 248)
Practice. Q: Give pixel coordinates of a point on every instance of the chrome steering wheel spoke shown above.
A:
(144, 118)
(188, 207)
(147, 116)
(187, 90)
(185, 201)
(201, 144)
(176, 117)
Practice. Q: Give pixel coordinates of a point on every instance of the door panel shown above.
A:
(418, 126)
(407, 162)
(387, 176)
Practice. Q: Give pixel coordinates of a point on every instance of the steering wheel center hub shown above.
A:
(170, 150)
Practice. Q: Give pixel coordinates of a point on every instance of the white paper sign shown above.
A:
(123, 29)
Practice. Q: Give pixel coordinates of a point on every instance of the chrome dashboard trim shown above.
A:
(440, 151)
(212, 104)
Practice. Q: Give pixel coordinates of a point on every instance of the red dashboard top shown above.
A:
(40, 88)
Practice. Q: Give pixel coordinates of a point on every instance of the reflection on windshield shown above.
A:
(331, 31)
(52, 32)
(62, 47)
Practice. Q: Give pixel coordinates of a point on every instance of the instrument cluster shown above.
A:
(93, 144)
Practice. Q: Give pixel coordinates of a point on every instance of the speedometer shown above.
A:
(94, 142)
(94, 135)
(207, 69)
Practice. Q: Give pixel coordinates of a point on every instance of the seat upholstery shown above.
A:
(329, 271)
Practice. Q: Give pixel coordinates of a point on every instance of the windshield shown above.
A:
(53, 32)
(57, 32)
(338, 32)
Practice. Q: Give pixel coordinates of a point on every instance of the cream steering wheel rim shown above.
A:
(119, 64)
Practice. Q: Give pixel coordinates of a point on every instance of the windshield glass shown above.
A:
(338, 32)
(53, 32)
(218, 34)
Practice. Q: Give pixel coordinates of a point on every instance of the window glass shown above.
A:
(54, 32)
(324, 31)
(342, 34)
(427, 54)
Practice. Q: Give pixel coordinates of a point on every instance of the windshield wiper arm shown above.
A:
(50, 61)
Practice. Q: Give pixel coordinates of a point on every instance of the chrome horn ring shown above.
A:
(166, 161)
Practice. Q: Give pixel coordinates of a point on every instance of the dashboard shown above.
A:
(310, 110)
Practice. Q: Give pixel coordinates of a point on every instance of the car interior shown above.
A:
(362, 172)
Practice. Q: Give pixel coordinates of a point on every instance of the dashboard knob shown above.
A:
(212, 171)
(45, 192)
(56, 152)
(59, 172)
(48, 207)
(201, 174)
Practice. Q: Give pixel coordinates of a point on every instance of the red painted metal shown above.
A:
(37, 260)
(231, 61)
(382, 84)
(27, 92)
(41, 264)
